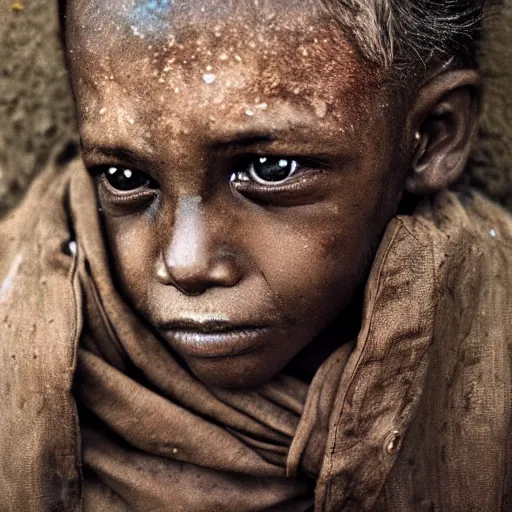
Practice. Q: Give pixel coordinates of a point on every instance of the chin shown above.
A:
(231, 372)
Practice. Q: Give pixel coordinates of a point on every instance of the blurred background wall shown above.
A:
(491, 165)
(37, 114)
(36, 109)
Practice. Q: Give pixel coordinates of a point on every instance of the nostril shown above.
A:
(190, 288)
(171, 277)
(224, 273)
(195, 278)
(162, 274)
(188, 280)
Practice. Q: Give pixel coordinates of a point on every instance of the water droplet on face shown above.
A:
(493, 233)
(136, 32)
(320, 107)
(249, 113)
(72, 248)
(102, 111)
(209, 78)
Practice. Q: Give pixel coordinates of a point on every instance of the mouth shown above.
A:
(213, 338)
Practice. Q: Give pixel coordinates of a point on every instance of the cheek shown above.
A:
(132, 244)
(315, 264)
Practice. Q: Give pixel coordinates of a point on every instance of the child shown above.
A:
(259, 294)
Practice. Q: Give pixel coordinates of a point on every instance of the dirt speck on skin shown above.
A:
(37, 114)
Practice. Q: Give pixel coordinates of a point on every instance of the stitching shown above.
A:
(357, 365)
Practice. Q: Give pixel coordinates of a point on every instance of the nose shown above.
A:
(196, 257)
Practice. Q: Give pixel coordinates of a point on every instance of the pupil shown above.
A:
(274, 169)
(125, 179)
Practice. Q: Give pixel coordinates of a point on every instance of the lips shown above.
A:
(212, 338)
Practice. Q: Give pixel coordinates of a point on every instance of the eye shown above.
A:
(126, 180)
(268, 170)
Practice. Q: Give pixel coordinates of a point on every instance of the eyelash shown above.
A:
(119, 197)
(307, 168)
(257, 191)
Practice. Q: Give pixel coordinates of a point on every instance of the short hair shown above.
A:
(400, 35)
(396, 34)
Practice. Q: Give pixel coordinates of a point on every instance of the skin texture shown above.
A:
(240, 278)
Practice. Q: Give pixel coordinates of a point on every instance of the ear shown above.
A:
(443, 124)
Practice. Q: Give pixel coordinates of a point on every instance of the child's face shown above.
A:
(274, 166)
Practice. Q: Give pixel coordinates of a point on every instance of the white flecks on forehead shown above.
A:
(192, 78)
(161, 20)
(136, 32)
(209, 78)
(320, 107)
(151, 16)
(6, 287)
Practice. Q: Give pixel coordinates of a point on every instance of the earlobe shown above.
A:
(444, 120)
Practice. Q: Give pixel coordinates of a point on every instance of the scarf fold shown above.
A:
(155, 438)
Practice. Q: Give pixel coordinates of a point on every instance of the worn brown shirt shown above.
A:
(421, 416)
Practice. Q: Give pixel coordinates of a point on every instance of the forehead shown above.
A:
(169, 61)
(289, 34)
(159, 18)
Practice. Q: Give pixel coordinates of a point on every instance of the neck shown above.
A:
(343, 329)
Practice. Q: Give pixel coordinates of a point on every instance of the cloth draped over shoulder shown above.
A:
(97, 414)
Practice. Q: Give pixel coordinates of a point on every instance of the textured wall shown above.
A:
(36, 112)
(491, 166)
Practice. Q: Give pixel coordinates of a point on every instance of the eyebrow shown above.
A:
(240, 138)
(125, 154)
(234, 137)
(245, 138)
(117, 152)
(253, 135)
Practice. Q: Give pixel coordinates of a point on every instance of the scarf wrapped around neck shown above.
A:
(155, 438)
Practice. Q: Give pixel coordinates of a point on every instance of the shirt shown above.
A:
(420, 419)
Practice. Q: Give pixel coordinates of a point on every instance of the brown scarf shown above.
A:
(155, 438)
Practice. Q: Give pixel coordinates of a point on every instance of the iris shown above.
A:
(272, 169)
(127, 180)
